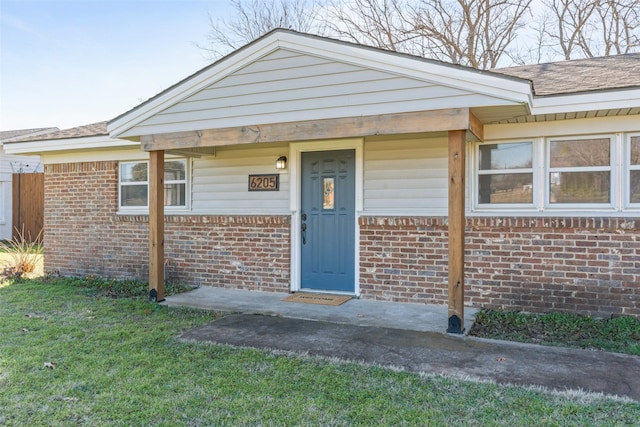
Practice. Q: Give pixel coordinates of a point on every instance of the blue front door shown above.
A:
(328, 221)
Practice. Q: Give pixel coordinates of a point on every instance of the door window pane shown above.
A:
(328, 187)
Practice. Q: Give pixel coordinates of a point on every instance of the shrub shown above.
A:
(24, 254)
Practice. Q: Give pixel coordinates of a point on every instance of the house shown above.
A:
(304, 163)
(15, 164)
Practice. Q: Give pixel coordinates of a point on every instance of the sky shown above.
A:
(70, 63)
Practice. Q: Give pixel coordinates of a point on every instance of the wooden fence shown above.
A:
(28, 204)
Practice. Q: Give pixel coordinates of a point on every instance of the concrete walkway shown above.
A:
(403, 335)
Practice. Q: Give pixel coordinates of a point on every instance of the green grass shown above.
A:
(75, 355)
(621, 334)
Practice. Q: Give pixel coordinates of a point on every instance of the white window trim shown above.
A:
(128, 210)
(619, 168)
(627, 168)
(605, 207)
(475, 186)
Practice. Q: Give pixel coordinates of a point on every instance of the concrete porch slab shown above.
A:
(407, 316)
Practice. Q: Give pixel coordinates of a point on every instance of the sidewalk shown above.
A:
(409, 336)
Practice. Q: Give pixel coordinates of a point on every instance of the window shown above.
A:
(558, 174)
(634, 170)
(580, 171)
(175, 183)
(505, 173)
(134, 184)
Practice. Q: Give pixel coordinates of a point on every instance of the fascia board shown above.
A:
(605, 100)
(509, 88)
(69, 144)
(192, 85)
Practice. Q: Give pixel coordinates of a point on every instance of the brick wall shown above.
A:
(585, 265)
(85, 236)
(404, 259)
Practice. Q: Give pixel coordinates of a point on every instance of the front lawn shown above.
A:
(72, 355)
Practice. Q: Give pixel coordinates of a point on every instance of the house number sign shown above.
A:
(266, 182)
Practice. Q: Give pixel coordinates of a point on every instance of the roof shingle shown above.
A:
(23, 133)
(581, 75)
(93, 129)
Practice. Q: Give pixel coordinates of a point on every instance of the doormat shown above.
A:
(322, 299)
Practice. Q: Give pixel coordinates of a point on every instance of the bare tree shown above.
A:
(476, 33)
(571, 27)
(619, 25)
(536, 46)
(589, 28)
(254, 18)
(378, 23)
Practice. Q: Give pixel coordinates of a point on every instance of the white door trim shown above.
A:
(295, 156)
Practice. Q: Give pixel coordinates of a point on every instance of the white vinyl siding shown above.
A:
(221, 183)
(286, 86)
(405, 176)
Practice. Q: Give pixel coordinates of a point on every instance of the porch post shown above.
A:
(156, 226)
(457, 140)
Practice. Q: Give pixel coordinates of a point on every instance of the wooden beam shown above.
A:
(173, 140)
(383, 124)
(476, 128)
(156, 226)
(457, 139)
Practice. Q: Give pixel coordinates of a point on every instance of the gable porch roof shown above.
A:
(286, 77)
